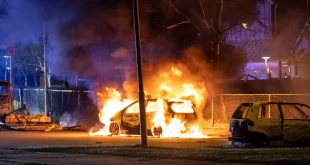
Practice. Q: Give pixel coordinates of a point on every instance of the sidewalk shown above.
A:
(17, 156)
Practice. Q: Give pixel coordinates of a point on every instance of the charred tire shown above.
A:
(114, 128)
(259, 140)
(157, 131)
(234, 144)
(238, 144)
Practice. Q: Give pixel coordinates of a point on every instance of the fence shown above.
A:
(80, 106)
(77, 104)
(221, 107)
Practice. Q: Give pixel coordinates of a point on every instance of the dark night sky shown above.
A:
(89, 38)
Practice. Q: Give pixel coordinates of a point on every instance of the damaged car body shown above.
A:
(262, 123)
(127, 120)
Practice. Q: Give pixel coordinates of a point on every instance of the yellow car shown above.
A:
(261, 123)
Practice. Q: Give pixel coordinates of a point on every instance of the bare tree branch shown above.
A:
(221, 13)
(40, 62)
(208, 25)
(203, 10)
(34, 65)
(205, 21)
(171, 4)
(177, 24)
(154, 36)
(227, 29)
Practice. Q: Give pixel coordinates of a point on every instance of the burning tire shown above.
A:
(114, 128)
(157, 131)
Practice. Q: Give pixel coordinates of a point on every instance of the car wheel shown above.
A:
(157, 131)
(114, 128)
(234, 144)
(260, 141)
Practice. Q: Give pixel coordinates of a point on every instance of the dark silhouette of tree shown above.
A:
(29, 61)
(204, 23)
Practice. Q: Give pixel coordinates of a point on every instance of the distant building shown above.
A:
(260, 40)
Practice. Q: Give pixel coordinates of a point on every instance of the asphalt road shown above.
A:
(13, 139)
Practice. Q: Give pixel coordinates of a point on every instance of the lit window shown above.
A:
(245, 25)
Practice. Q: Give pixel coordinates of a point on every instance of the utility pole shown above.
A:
(143, 133)
(308, 29)
(11, 71)
(46, 99)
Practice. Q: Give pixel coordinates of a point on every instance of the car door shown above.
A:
(296, 125)
(150, 108)
(269, 121)
(130, 117)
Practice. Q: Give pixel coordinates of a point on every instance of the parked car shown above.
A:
(260, 123)
(127, 120)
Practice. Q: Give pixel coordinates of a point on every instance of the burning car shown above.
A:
(159, 114)
(164, 118)
(260, 123)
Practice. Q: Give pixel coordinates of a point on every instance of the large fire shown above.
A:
(185, 95)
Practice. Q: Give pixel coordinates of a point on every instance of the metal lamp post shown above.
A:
(266, 65)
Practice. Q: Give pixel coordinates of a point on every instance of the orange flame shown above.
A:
(113, 104)
(171, 84)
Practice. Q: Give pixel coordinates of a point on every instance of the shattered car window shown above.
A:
(291, 111)
(151, 106)
(182, 107)
(242, 111)
(133, 108)
(269, 111)
(305, 109)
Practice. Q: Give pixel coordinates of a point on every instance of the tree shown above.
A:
(206, 23)
(29, 61)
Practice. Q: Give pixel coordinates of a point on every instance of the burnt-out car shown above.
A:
(261, 123)
(127, 120)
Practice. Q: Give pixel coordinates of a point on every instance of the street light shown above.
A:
(266, 66)
(8, 68)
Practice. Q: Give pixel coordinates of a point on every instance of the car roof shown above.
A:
(168, 100)
(155, 99)
(272, 102)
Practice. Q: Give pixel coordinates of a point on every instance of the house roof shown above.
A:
(256, 49)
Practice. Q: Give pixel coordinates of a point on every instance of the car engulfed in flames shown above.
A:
(172, 112)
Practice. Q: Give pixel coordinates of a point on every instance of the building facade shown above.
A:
(264, 49)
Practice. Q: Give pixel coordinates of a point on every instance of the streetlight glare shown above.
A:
(266, 65)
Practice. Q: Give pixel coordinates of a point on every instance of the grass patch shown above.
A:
(232, 155)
